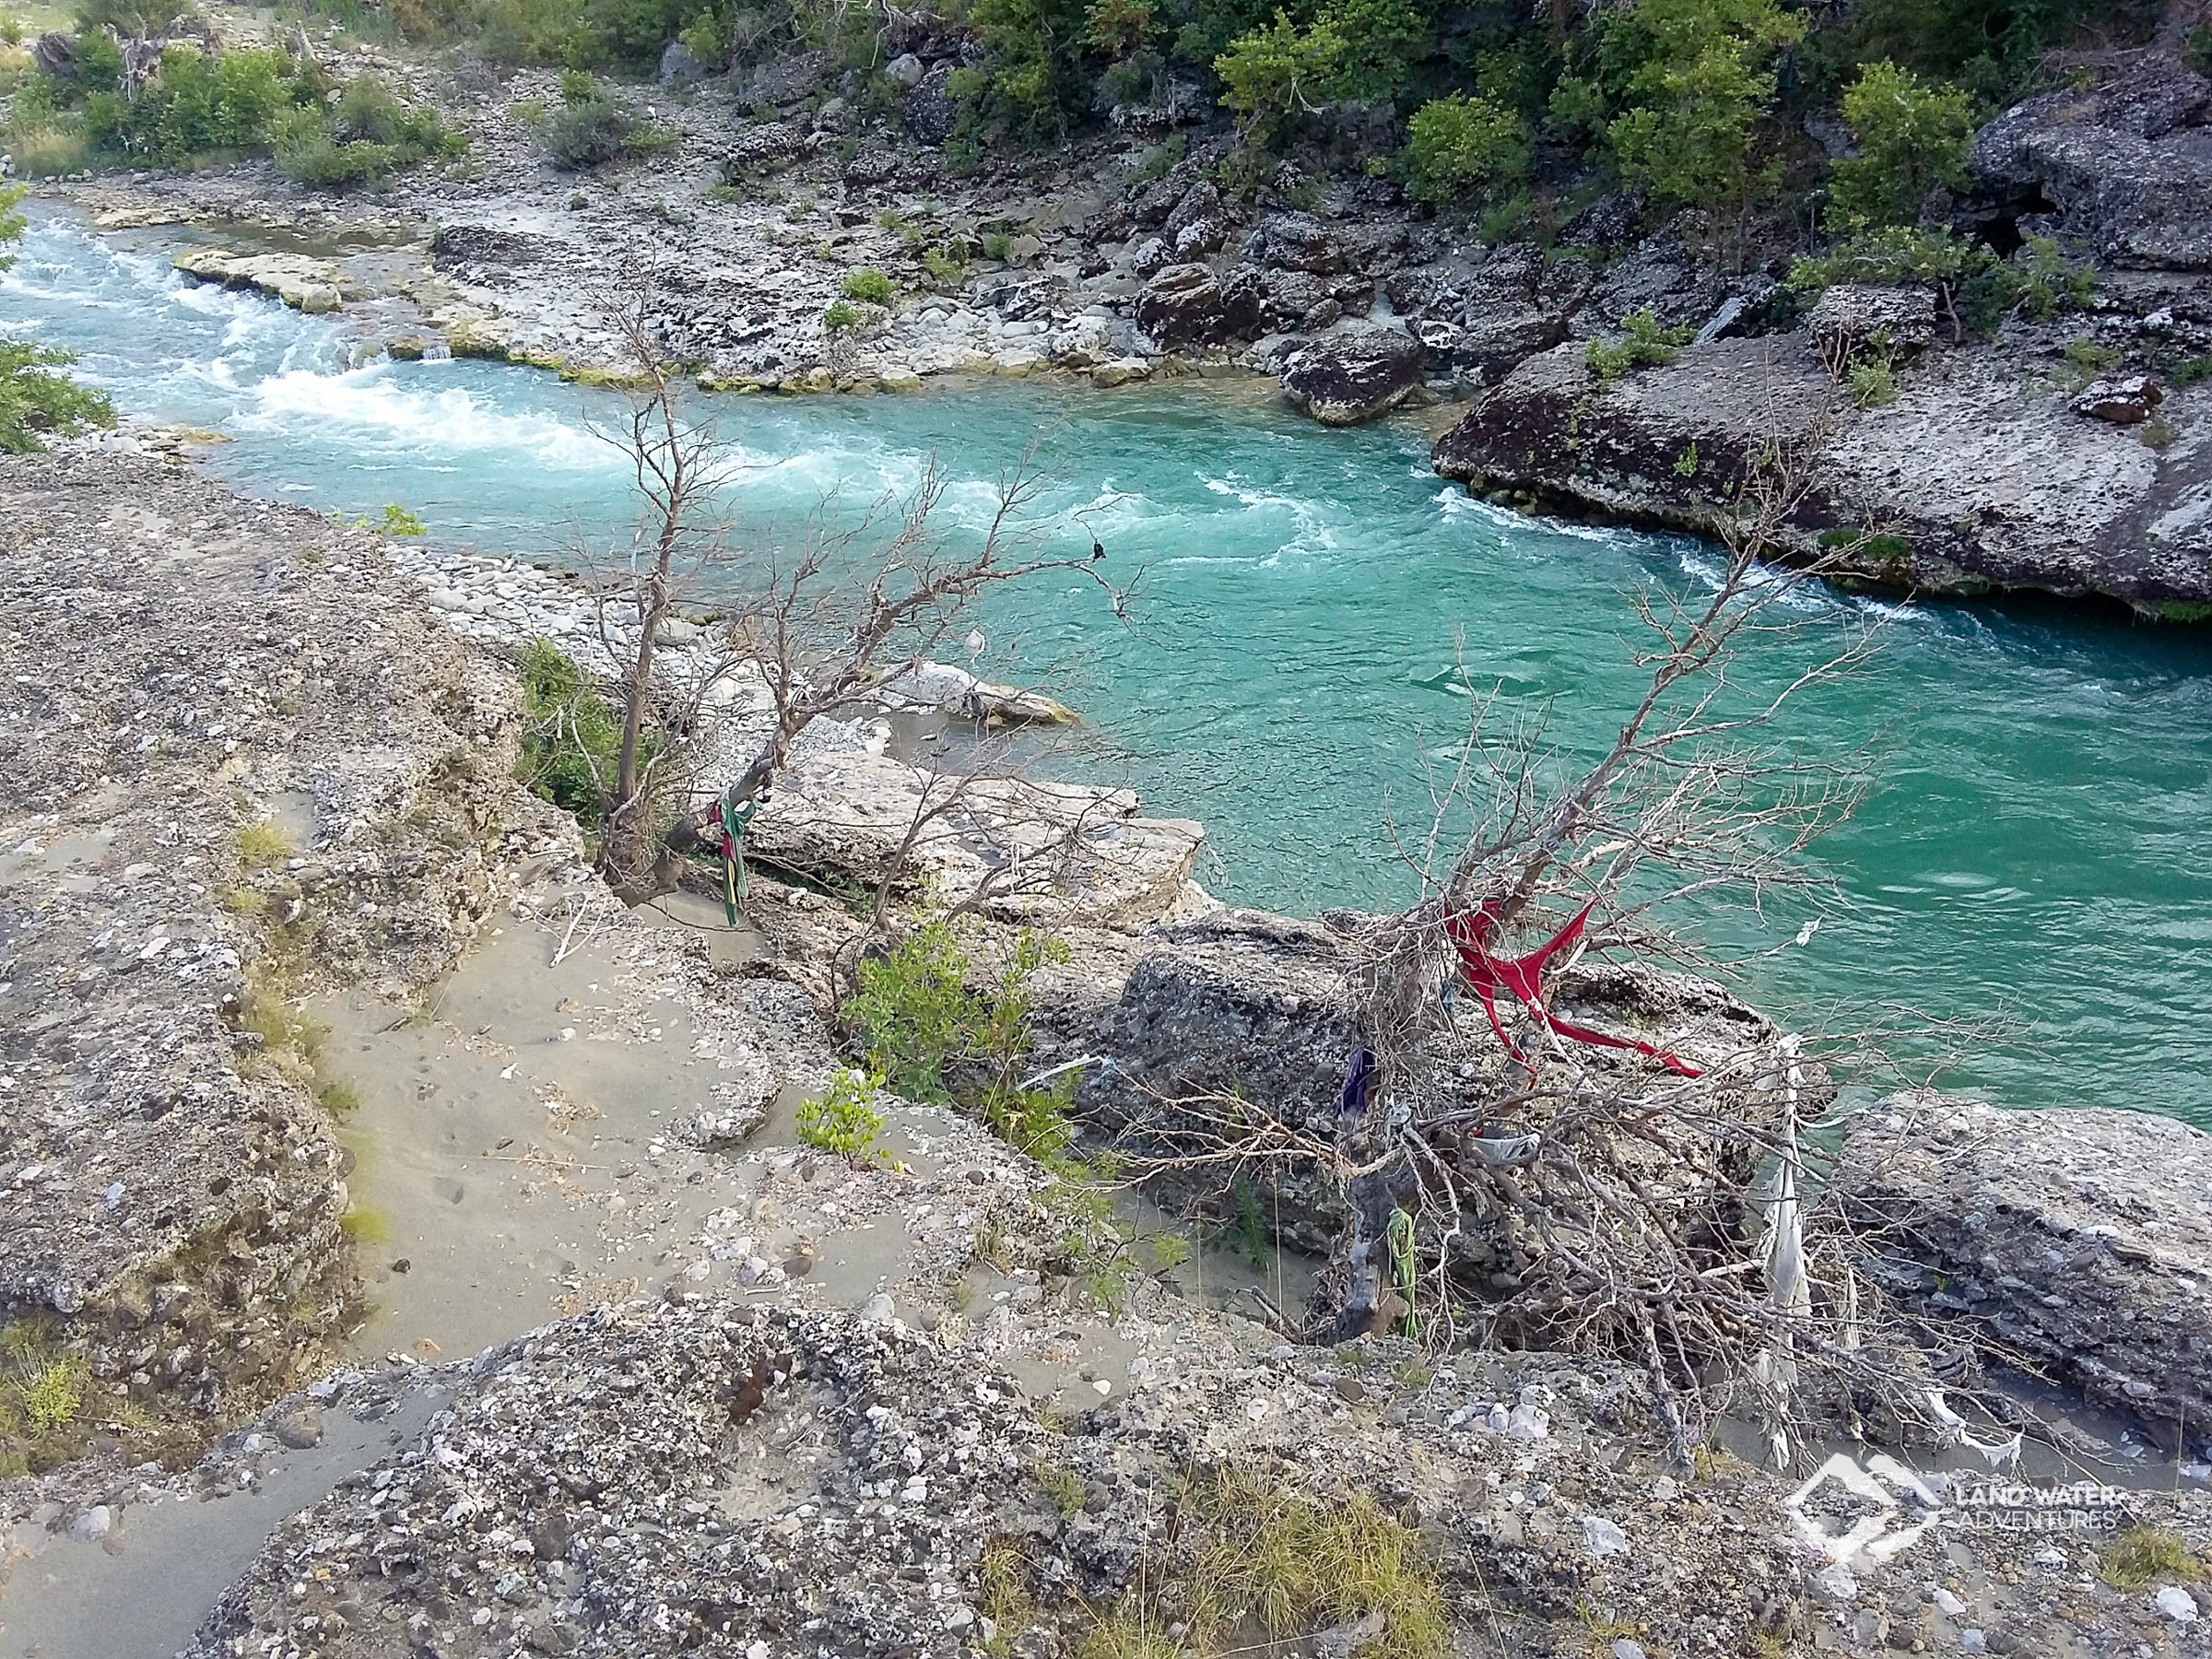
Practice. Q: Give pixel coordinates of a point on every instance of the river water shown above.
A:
(2039, 848)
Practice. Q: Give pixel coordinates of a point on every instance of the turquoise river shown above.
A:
(2040, 847)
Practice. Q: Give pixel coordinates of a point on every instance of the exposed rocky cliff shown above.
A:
(2078, 1241)
(1981, 475)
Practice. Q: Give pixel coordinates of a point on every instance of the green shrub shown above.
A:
(1692, 80)
(997, 244)
(944, 267)
(1030, 87)
(1971, 284)
(569, 732)
(1873, 383)
(1911, 136)
(202, 105)
(588, 134)
(843, 314)
(841, 1121)
(1460, 147)
(1645, 345)
(869, 286)
(2191, 370)
(579, 86)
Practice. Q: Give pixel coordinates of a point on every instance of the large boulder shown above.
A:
(929, 109)
(1188, 305)
(2080, 1240)
(2126, 168)
(1297, 242)
(1977, 477)
(1853, 318)
(1342, 379)
(1024, 851)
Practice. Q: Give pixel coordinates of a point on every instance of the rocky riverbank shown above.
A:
(2065, 451)
(287, 946)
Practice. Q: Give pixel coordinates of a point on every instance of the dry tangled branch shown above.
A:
(1559, 1131)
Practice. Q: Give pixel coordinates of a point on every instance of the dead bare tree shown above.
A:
(800, 634)
(1541, 1146)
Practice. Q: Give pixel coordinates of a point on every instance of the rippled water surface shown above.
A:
(2042, 845)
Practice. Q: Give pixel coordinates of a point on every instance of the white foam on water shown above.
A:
(376, 412)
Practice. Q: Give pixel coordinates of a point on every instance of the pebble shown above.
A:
(1947, 1603)
(2177, 1603)
(1603, 1537)
(93, 1524)
(1625, 1649)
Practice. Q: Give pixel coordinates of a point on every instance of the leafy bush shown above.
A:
(841, 315)
(1460, 147)
(1030, 87)
(366, 134)
(869, 286)
(1698, 80)
(841, 1121)
(1645, 345)
(1974, 287)
(1911, 136)
(588, 134)
(1873, 383)
(201, 105)
(569, 732)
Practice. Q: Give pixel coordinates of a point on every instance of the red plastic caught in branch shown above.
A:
(1491, 977)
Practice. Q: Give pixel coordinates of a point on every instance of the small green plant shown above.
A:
(261, 844)
(1169, 1251)
(401, 520)
(2191, 370)
(869, 286)
(997, 244)
(840, 316)
(891, 219)
(944, 267)
(577, 86)
(1873, 383)
(569, 732)
(1161, 159)
(1685, 463)
(1646, 343)
(2089, 352)
(338, 1099)
(52, 1397)
(841, 1121)
(1062, 1484)
(1460, 147)
(2143, 1555)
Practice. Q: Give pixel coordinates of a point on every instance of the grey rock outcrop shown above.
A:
(1036, 851)
(1977, 477)
(1355, 374)
(2127, 167)
(929, 109)
(170, 1193)
(2080, 1239)
(1189, 305)
(1853, 317)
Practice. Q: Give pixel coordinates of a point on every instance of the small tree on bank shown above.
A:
(800, 634)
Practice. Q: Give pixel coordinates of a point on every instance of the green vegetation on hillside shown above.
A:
(200, 107)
